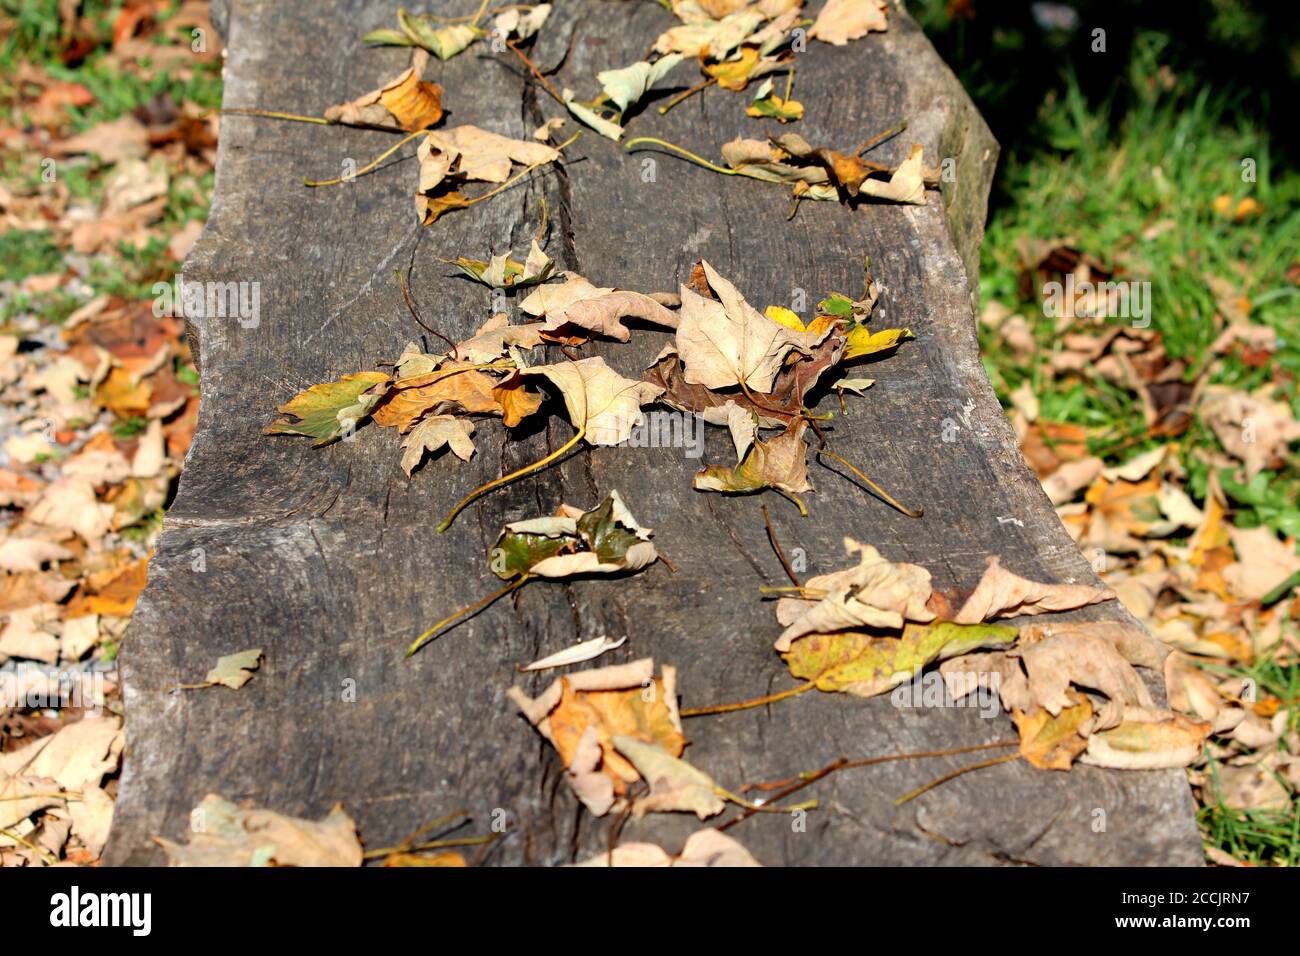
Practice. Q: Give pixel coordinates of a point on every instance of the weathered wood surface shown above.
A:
(328, 559)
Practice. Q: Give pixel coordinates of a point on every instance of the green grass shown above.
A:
(28, 253)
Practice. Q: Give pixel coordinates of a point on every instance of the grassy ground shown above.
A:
(1143, 171)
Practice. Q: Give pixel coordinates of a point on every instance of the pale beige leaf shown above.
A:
(224, 834)
(604, 404)
(432, 434)
(843, 20)
(1148, 739)
(1001, 593)
(675, 785)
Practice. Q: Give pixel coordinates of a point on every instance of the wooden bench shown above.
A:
(329, 561)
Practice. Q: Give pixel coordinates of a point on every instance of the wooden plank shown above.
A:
(328, 558)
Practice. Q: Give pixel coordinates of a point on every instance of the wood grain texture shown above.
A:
(328, 558)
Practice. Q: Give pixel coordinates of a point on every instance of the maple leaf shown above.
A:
(726, 341)
(604, 540)
(1000, 593)
(453, 387)
(1053, 742)
(603, 406)
(327, 411)
(433, 433)
(780, 464)
(517, 402)
(494, 339)
(874, 593)
(444, 42)
(577, 304)
(407, 100)
(234, 836)
(860, 341)
(843, 20)
(865, 665)
(766, 104)
(675, 785)
(580, 714)
(502, 272)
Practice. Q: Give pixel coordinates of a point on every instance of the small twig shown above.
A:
(470, 611)
(780, 554)
(807, 779)
(884, 495)
(912, 795)
(747, 704)
(366, 168)
(415, 313)
(541, 77)
(687, 94)
(880, 138)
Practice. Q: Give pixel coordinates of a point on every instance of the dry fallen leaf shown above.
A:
(224, 834)
(707, 847)
(581, 713)
(843, 20)
(726, 341)
(577, 304)
(603, 405)
(780, 464)
(675, 785)
(1001, 593)
(328, 411)
(433, 433)
(406, 100)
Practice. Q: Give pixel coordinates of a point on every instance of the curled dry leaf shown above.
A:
(502, 272)
(1147, 739)
(328, 411)
(433, 433)
(584, 651)
(442, 41)
(467, 153)
(407, 101)
(1000, 593)
(234, 670)
(494, 339)
(716, 38)
(522, 22)
(233, 836)
(780, 464)
(577, 304)
(603, 405)
(582, 713)
(675, 785)
(864, 665)
(604, 540)
(874, 593)
(621, 89)
(843, 20)
(1053, 742)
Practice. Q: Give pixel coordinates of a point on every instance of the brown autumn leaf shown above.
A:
(434, 432)
(675, 785)
(843, 20)
(781, 464)
(406, 100)
(455, 387)
(115, 595)
(602, 404)
(495, 337)
(231, 835)
(516, 401)
(469, 153)
(1054, 742)
(577, 304)
(726, 341)
(875, 593)
(599, 703)
(1001, 593)
(1147, 739)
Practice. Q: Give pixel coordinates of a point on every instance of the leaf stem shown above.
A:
(879, 138)
(687, 94)
(698, 160)
(532, 68)
(506, 479)
(747, 704)
(470, 611)
(762, 807)
(884, 495)
(912, 795)
(803, 508)
(369, 166)
(415, 313)
(780, 554)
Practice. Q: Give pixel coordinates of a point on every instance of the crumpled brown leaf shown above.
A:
(433, 433)
(406, 100)
(224, 834)
(577, 304)
(675, 785)
(603, 404)
(1001, 593)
